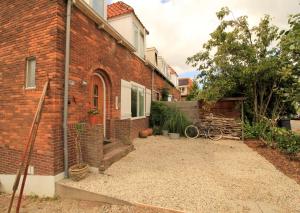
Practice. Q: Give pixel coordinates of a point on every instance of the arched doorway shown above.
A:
(98, 99)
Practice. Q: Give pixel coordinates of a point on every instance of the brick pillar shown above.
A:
(91, 141)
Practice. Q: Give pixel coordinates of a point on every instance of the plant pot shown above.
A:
(174, 135)
(93, 119)
(143, 134)
(78, 172)
(165, 132)
(149, 131)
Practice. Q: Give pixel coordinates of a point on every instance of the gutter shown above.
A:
(66, 88)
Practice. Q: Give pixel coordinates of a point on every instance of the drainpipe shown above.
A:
(66, 89)
(152, 83)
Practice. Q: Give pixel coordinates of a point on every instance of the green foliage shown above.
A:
(176, 122)
(79, 127)
(93, 112)
(284, 139)
(256, 62)
(165, 94)
(159, 114)
(165, 117)
(194, 92)
(255, 130)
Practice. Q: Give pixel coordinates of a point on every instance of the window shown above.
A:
(134, 102)
(95, 97)
(139, 41)
(98, 6)
(30, 73)
(137, 101)
(141, 102)
(142, 46)
(136, 37)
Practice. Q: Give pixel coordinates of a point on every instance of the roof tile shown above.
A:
(118, 8)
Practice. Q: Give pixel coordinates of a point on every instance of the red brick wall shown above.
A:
(159, 83)
(29, 28)
(38, 30)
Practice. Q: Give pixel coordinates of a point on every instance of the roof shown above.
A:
(172, 71)
(184, 81)
(120, 8)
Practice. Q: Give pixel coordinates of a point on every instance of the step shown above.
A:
(111, 146)
(107, 141)
(114, 155)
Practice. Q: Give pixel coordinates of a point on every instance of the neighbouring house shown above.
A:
(91, 64)
(162, 70)
(185, 85)
(174, 76)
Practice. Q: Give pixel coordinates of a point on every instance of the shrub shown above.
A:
(159, 114)
(286, 140)
(255, 130)
(176, 122)
(169, 118)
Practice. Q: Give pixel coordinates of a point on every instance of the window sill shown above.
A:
(30, 88)
(137, 118)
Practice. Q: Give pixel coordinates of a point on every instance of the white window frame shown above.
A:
(27, 74)
(139, 88)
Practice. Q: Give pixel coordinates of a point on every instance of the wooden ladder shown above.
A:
(27, 153)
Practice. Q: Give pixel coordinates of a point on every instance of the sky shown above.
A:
(178, 28)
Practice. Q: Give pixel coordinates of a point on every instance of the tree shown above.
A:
(241, 61)
(194, 92)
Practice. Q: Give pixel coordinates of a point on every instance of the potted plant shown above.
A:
(176, 123)
(165, 132)
(79, 170)
(93, 116)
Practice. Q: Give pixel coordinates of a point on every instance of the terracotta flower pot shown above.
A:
(143, 134)
(149, 131)
(93, 119)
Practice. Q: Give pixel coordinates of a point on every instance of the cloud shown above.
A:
(179, 28)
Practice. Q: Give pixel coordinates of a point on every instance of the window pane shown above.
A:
(134, 96)
(136, 38)
(142, 49)
(95, 99)
(141, 102)
(95, 90)
(30, 73)
(98, 6)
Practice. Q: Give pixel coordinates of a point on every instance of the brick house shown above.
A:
(185, 85)
(105, 71)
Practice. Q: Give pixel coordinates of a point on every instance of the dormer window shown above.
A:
(139, 41)
(98, 6)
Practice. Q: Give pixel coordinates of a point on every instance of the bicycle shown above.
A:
(196, 130)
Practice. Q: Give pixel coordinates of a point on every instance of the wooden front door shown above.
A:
(97, 98)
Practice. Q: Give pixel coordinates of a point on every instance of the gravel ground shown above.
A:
(32, 204)
(196, 176)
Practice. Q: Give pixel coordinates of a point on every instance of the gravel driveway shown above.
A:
(197, 176)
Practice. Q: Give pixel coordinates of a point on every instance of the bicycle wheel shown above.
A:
(191, 131)
(214, 133)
